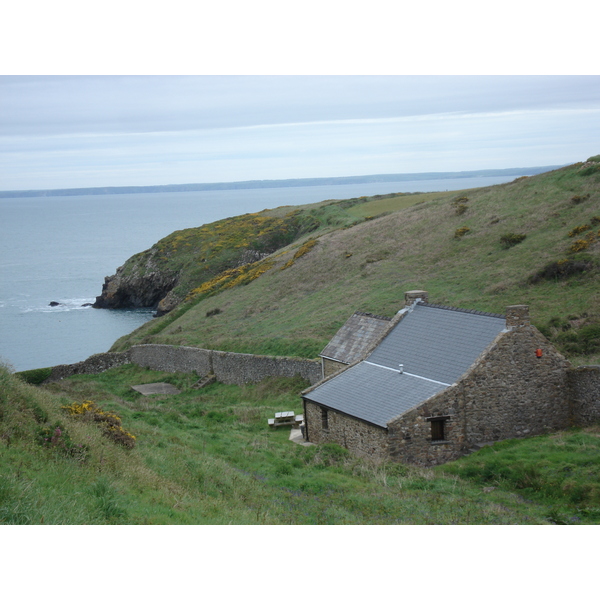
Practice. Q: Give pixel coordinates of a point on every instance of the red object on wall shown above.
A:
(539, 353)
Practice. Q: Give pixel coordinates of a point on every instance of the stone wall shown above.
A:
(96, 363)
(361, 438)
(410, 436)
(508, 393)
(231, 367)
(173, 359)
(584, 387)
(513, 393)
(228, 367)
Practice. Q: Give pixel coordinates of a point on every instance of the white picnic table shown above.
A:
(286, 418)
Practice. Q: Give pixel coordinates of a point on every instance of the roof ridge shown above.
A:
(463, 310)
(366, 314)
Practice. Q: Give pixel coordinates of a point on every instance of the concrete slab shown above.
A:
(148, 389)
(296, 437)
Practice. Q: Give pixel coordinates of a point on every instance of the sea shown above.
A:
(58, 249)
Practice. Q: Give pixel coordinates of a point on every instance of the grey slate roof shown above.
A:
(372, 393)
(437, 343)
(436, 346)
(359, 332)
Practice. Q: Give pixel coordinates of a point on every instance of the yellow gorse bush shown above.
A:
(304, 249)
(79, 409)
(110, 422)
(579, 246)
(232, 277)
(579, 229)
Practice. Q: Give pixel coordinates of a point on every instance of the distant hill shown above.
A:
(275, 183)
(288, 288)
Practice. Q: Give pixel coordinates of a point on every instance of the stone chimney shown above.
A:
(517, 315)
(410, 297)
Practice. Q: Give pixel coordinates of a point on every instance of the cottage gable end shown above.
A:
(512, 390)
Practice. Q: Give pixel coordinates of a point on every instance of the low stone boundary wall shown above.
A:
(228, 367)
(174, 359)
(584, 384)
(97, 363)
(231, 367)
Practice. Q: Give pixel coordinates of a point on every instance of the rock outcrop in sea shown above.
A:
(139, 283)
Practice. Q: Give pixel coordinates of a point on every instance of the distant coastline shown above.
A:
(277, 183)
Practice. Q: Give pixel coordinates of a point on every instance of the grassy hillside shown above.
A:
(532, 241)
(208, 457)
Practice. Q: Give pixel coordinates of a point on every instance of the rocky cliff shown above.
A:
(139, 283)
(161, 277)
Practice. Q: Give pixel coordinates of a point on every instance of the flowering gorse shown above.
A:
(109, 422)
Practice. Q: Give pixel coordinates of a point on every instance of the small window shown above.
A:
(324, 418)
(437, 430)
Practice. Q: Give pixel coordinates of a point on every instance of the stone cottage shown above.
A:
(434, 382)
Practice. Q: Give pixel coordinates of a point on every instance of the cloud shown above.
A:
(89, 131)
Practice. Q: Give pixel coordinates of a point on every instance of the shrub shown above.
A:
(304, 249)
(580, 341)
(461, 231)
(589, 337)
(460, 205)
(590, 170)
(579, 246)
(579, 199)
(512, 239)
(561, 269)
(214, 311)
(595, 221)
(231, 277)
(579, 229)
(109, 422)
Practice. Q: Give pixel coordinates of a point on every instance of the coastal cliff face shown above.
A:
(161, 277)
(139, 283)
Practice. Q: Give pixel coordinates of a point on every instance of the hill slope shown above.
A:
(207, 457)
(533, 241)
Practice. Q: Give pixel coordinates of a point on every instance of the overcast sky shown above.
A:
(87, 131)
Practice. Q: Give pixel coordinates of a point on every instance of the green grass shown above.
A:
(208, 457)
(365, 263)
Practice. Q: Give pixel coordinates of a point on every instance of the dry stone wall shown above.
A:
(231, 367)
(584, 384)
(228, 367)
(96, 363)
(173, 359)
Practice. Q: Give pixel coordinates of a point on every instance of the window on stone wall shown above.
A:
(324, 418)
(438, 430)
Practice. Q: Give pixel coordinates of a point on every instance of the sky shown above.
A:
(137, 93)
(69, 131)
